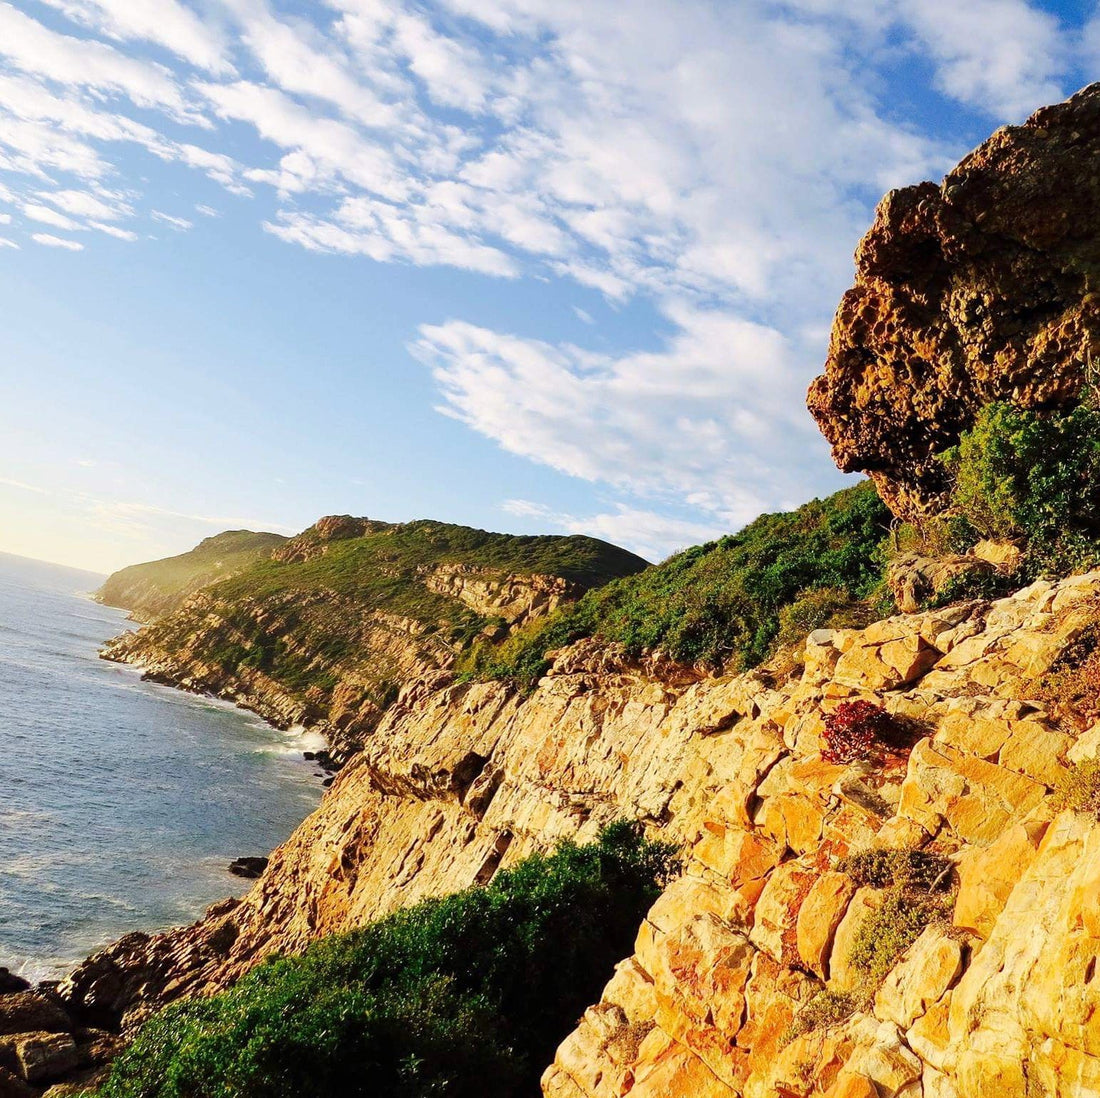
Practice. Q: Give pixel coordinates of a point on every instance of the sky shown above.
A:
(538, 266)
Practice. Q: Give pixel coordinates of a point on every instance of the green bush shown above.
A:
(817, 608)
(893, 927)
(1079, 789)
(463, 996)
(907, 868)
(721, 602)
(826, 1008)
(1033, 476)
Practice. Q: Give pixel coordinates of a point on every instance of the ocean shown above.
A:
(121, 802)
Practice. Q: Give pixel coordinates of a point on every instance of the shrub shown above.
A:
(974, 584)
(854, 730)
(826, 1008)
(719, 603)
(464, 996)
(907, 868)
(1036, 476)
(1072, 685)
(892, 928)
(817, 608)
(1079, 789)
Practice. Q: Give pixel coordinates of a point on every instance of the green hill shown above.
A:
(328, 629)
(726, 603)
(149, 590)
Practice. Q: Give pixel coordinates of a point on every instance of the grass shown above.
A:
(1079, 789)
(160, 586)
(914, 869)
(462, 996)
(310, 624)
(826, 1008)
(723, 603)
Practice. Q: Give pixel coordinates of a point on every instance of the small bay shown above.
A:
(121, 801)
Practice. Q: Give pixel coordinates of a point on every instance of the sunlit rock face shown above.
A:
(983, 288)
(1000, 989)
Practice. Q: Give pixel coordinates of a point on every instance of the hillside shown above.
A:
(160, 586)
(728, 603)
(328, 630)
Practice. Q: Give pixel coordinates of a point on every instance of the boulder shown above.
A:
(915, 580)
(41, 1057)
(27, 1010)
(973, 291)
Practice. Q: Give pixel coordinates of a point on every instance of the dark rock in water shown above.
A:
(9, 982)
(327, 762)
(327, 782)
(309, 756)
(249, 868)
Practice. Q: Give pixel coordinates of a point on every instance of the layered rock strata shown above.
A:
(460, 779)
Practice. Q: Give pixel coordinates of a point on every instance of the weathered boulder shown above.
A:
(27, 1010)
(977, 290)
(40, 1057)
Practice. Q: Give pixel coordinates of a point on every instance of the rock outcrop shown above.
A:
(315, 540)
(986, 287)
(326, 631)
(460, 779)
(41, 1044)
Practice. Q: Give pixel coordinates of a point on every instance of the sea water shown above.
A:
(121, 802)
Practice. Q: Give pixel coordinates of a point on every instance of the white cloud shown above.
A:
(179, 223)
(206, 211)
(1003, 56)
(5, 219)
(6, 243)
(704, 419)
(113, 230)
(63, 59)
(51, 241)
(105, 207)
(167, 23)
(300, 60)
(50, 217)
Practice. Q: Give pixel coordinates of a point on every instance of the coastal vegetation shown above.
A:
(466, 995)
(726, 602)
(160, 586)
(1033, 477)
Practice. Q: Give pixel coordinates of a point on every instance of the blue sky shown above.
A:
(531, 265)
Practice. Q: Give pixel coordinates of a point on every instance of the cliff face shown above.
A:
(998, 990)
(161, 586)
(984, 288)
(326, 631)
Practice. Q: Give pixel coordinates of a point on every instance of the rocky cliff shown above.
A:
(749, 976)
(161, 586)
(985, 287)
(890, 833)
(326, 630)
